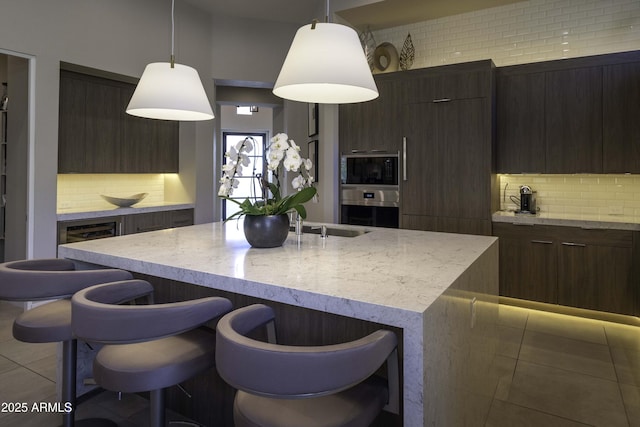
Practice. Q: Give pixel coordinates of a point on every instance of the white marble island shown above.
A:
(440, 289)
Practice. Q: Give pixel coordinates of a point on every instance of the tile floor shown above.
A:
(556, 370)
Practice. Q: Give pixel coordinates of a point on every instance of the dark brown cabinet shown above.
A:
(570, 266)
(97, 136)
(573, 120)
(570, 116)
(152, 221)
(520, 125)
(374, 126)
(620, 116)
(528, 262)
(448, 147)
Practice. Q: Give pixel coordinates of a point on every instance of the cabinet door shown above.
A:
(596, 277)
(181, 218)
(104, 132)
(573, 120)
(528, 263)
(463, 156)
(151, 221)
(420, 161)
(71, 128)
(149, 145)
(373, 126)
(621, 123)
(520, 123)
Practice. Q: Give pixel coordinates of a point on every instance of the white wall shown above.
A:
(119, 36)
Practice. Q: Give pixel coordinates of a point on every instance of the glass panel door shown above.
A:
(248, 188)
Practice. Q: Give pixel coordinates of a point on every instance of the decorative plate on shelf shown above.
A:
(125, 202)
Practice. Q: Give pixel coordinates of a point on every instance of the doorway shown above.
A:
(14, 156)
(248, 184)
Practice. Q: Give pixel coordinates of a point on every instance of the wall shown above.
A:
(119, 36)
(528, 31)
(584, 194)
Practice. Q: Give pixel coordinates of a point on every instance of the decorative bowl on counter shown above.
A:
(125, 202)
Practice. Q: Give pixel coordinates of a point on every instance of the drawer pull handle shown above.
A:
(543, 242)
(437, 101)
(579, 245)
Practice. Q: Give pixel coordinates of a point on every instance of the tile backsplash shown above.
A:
(576, 194)
(523, 32)
(82, 191)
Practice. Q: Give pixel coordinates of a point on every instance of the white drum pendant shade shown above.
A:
(326, 65)
(170, 94)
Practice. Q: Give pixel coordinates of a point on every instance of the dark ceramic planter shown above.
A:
(266, 231)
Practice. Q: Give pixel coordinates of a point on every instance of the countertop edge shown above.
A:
(511, 218)
(104, 213)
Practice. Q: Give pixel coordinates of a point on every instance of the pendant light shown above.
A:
(326, 64)
(170, 91)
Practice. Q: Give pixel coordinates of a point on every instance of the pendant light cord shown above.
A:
(173, 58)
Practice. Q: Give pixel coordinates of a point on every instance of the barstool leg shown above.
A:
(156, 408)
(69, 356)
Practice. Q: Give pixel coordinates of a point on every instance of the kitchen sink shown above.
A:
(331, 231)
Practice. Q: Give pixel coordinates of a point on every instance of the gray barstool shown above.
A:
(147, 347)
(46, 279)
(292, 386)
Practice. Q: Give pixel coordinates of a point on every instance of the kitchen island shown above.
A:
(440, 290)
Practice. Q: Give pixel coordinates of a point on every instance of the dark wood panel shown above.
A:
(573, 121)
(419, 222)
(71, 129)
(373, 126)
(464, 159)
(104, 130)
(520, 123)
(621, 126)
(212, 400)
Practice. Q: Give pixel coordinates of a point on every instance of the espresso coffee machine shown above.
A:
(527, 200)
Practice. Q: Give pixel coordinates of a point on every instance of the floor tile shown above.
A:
(47, 367)
(566, 394)
(22, 385)
(567, 326)
(515, 317)
(627, 364)
(510, 341)
(569, 354)
(622, 335)
(504, 414)
(505, 368)
(25, 353)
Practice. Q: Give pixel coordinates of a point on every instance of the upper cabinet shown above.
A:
(573, 120)
(96, 135)
(621, 117)
(570, 116)
(374, 126)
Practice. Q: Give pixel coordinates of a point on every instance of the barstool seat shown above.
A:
(312, 386)
(147, 347)
(47, 279)
(51, 322)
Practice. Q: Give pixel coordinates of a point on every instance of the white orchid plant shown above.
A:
(282, 153)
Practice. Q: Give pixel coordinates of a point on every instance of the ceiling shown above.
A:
(375, 14)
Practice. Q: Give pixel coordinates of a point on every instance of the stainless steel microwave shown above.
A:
(369, 169)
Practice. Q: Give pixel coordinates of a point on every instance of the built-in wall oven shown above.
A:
(369, 193)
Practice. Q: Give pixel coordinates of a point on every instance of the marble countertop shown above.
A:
(387, 275)
(613, 222)
(106, 210)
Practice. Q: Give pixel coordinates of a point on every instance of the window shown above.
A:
(249, 186)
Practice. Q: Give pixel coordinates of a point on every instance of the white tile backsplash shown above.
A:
(82, 191)
(523, 32)
(578, 194)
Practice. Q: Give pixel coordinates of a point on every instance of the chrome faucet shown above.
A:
(298, 224)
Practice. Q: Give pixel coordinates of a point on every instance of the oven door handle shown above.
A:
(404, 158)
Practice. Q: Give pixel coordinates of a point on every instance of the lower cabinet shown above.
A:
(584, 268)
(151, 221)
